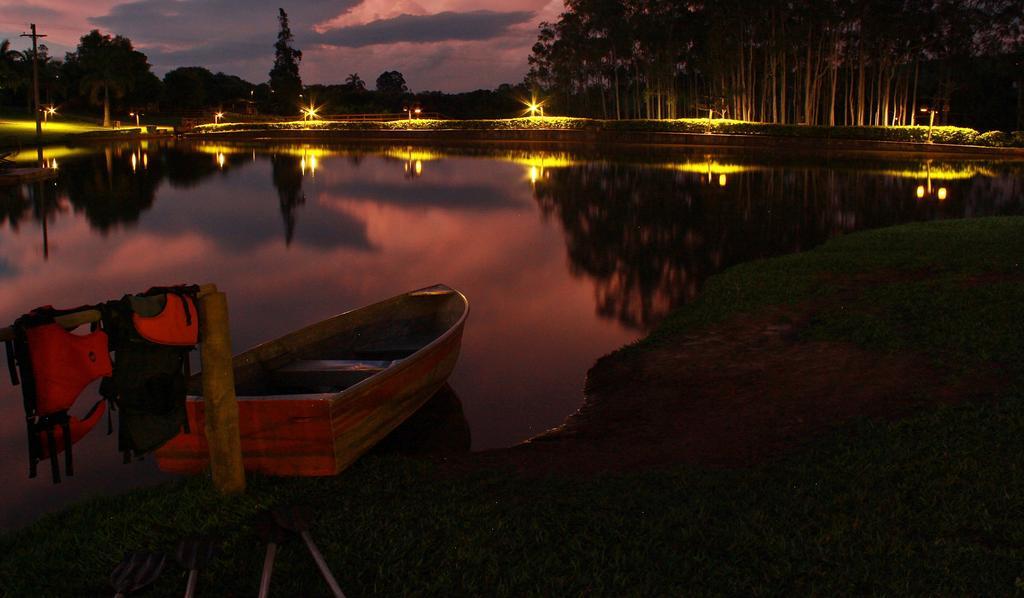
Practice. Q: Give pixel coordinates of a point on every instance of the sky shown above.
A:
(447, 45)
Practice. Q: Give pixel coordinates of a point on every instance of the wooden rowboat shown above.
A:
(311, 402)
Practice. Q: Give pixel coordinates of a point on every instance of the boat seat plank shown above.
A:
(336, 365)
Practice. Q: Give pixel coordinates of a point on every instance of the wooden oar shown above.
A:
(194, 553)
(297, 519)
(136, 571)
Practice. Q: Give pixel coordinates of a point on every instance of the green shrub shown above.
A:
(994, 139)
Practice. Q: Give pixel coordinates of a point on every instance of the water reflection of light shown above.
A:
(53, 163)
(409, 154)
(412, 168)
(922, 191)
(220, 159)
(51, 152)
(721, 180)
(309, 161)
(708, 167)
(941, 173)
(134, 162)
(145, 160)
(533, 175)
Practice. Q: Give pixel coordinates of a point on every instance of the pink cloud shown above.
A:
(245, 48)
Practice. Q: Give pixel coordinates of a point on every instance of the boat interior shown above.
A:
(333, 355)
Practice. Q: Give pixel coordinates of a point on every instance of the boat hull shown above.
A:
(323, 433)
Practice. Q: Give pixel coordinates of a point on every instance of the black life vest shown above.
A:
(55, 366)
(151, 335)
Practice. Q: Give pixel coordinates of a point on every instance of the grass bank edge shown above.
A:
(915, 134)
(912, 287)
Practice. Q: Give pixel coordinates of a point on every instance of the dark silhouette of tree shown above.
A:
(355, 82)
(106, 188)
(851, 62)
(284, 77)
(391, 83)
(109, 68)
(650, 237)
(8, 65)
(15, 205)
(185, 169)
(194, 87)
(286, 174)
(187, 87)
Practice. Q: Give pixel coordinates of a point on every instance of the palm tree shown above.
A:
(106, 64)
(8, 58)
(12, 68)
(355, 82)
(23, 71)
(109, 82)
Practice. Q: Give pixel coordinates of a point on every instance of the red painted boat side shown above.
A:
(322, 434)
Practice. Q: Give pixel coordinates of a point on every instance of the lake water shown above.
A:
(564, 254)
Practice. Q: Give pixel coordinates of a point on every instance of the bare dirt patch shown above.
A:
(733, 395)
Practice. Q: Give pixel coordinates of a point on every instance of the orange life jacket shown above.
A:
(151, 335)
(63, 364)
(78, 428)
(55, 367)
(176, 325)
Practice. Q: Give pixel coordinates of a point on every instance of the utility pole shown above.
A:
(35, 90)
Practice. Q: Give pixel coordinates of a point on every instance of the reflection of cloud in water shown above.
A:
(429, 195)
(240, 211)
(639, 239)
(454, 185)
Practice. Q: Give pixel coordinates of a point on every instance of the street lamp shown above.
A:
(309, 113)
(48, 112)
(533, 106)
(136, 115)
(217, 117)
(931, 120)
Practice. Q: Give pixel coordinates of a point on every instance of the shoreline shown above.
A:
(875, 370)
(596, 137)
(740, 385)
(581, 137)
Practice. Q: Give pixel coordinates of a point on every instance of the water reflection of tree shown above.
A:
(286, 173)
(15, 205)
(109, 189)
(186, 169)
(651, 237)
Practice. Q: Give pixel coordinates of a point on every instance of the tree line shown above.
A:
(825, 62)
(106, 72)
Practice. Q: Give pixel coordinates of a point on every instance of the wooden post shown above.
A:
(222, 432)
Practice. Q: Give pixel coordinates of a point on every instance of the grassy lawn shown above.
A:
(953, 290)
(927, 505)
(21, 132)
